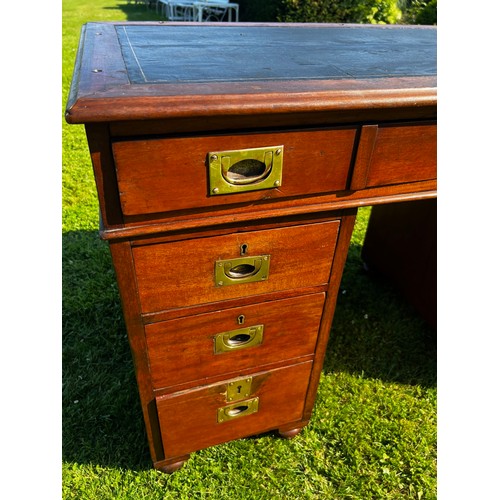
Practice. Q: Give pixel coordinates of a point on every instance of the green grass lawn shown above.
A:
(373, 431)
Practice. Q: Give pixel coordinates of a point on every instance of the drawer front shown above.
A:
(203, 417)
(185, 273)
(207, 345)
(162, 175)
(395, 154)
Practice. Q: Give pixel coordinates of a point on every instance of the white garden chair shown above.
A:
(215, 10)
(178, 10)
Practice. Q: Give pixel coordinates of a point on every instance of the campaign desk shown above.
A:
(229, 162)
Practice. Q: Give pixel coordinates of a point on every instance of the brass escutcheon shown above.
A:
(239, 389)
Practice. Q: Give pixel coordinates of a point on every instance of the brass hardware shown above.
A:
(239, 389)
(236, 410)
(242, 270)
(245, 170)
(240, 319)
(238, 339)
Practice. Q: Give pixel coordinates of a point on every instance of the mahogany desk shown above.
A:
(229, 162)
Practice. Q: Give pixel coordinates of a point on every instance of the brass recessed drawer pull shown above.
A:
(245, 170)
(238, 339)
(242, 270)
(237, 410)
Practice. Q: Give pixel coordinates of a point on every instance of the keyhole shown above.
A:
(239, 388)
(241, 319)
(244, 249)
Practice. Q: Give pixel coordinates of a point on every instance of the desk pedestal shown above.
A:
(400, 245)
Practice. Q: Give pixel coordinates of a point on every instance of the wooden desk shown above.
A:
(229, 162)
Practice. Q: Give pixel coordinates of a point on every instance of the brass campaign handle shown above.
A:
(242, 338)
(243, 170)
(237, 410)
(247, 170)
(242, 270)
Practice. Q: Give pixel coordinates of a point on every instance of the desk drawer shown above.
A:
(192, 420)
(162, 175)
(395, 154)
(207, 345)
(185, 273)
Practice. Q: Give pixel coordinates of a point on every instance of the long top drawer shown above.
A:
(170, 174)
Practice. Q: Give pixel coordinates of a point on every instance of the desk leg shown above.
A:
(339, 259)
(401, 246)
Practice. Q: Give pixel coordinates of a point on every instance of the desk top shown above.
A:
(134, 71)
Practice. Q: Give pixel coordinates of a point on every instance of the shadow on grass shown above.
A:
(101, 413)
(375, 333)
(139, 11)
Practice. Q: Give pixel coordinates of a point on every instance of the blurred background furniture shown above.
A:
(216, 11)
(176, 10)
(199, 10)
